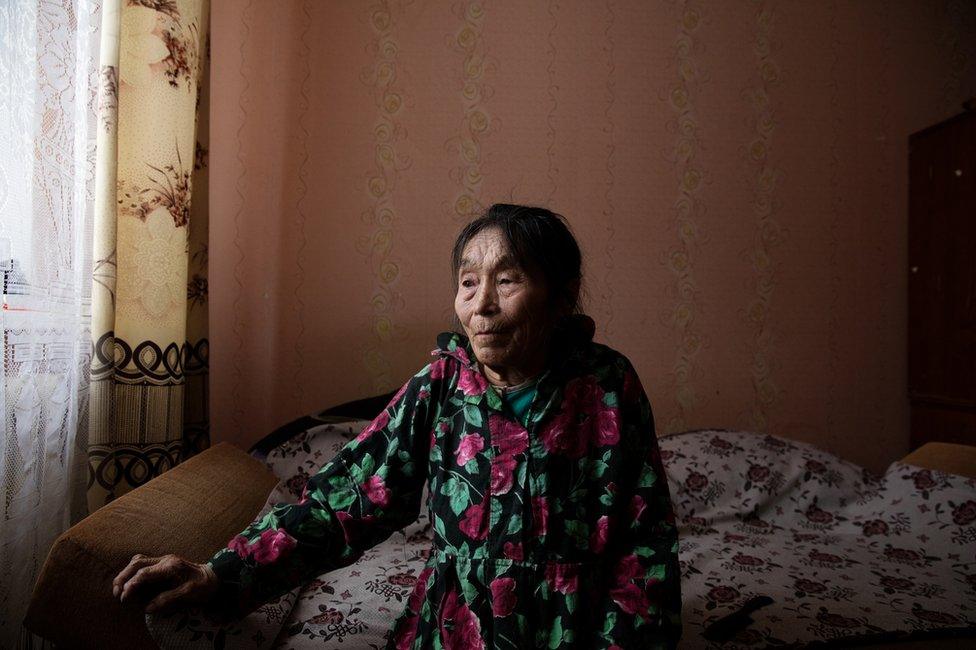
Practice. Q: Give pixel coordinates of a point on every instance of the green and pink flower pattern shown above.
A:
(556, 534)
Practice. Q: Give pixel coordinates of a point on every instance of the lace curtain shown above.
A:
(48, 80)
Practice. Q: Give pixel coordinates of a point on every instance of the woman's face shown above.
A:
(503, 309)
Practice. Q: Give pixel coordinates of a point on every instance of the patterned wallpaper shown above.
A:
(735, 171)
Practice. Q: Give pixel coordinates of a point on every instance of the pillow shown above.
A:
(719, 473)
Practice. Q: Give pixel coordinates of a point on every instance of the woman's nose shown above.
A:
(486, 301)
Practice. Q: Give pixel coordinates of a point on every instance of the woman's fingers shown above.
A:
(168, 582)
(156, 574)
(161, 571)
(137, 562)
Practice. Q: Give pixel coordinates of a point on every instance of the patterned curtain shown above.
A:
(148, 408)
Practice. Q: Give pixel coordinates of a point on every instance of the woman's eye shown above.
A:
(467, 284)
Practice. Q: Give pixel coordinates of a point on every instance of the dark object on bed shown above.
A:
(725, 628)
(360, 409)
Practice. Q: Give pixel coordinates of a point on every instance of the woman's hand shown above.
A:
(168, 583)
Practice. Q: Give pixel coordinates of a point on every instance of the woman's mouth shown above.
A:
(490, 333)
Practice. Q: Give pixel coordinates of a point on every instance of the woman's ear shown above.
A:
(571, 297)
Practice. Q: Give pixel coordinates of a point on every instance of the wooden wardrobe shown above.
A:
(942, 281)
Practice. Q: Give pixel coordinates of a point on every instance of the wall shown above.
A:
(735, 172)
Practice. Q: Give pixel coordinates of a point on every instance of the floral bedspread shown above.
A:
(842, 553)
(804, 546)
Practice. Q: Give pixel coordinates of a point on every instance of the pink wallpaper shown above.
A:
(735, 172)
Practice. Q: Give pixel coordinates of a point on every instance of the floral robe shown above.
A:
(556, 535)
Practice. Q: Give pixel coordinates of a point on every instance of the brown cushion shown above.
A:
(191, 510)
(945, 457)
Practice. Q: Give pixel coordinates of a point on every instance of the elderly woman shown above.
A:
(551, 515)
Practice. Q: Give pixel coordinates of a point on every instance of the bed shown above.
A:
(781, 545)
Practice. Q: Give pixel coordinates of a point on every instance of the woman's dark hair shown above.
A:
(540, 241)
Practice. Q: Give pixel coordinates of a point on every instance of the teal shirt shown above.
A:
(519, 401)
